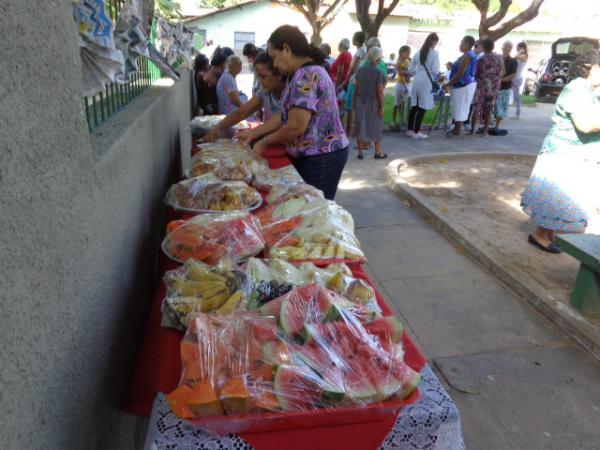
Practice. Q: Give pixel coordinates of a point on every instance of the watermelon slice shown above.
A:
(384, 381)
(296, 389)
(358, 385)
(275, 352)
(264, 330)
(388, 327)
(409, 378)
(303, 305)
(271, 308)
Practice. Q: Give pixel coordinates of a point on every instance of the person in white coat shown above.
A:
(424, 68)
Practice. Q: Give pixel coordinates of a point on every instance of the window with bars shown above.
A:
(105, 104)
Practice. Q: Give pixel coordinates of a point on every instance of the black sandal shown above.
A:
(360, 156)
(380, 155)
(552, 248)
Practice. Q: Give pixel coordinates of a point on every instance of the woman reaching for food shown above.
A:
(308, 124)
(266, 98)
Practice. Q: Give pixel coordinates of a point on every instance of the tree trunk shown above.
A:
(315, 38)
(367, 24)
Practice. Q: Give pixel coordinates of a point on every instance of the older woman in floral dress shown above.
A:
(563, 193)
(489, 71)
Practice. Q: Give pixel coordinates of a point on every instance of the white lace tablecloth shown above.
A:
(432, 423)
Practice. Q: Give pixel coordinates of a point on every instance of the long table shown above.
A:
(432, 422)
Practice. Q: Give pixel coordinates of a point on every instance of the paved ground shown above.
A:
(518, 382)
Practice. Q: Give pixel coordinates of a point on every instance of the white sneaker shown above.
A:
(420, 135)
(410, 133)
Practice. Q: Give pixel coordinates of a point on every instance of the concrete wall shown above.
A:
(80, 221)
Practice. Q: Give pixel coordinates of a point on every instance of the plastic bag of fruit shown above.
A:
(310, 351)
(207, 193)
(267, 179)
(283, 193)
(196, 287)
(302, 230)
(210, 237)
(234, 164)
(272, 278)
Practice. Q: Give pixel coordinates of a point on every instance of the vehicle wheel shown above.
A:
(538, 92)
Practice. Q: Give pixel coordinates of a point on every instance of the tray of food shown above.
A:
(209, 238)
(306, 359)
(314, 230)
(209, 194)
(196, 287)
(271, 278)
(231, 165)
(266, 179)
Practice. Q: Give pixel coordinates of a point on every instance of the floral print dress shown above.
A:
(563, 192)
(489, 68)
(311, 88)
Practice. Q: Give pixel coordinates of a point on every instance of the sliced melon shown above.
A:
(296, 389)
(388, 327)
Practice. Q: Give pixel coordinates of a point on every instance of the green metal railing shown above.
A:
(99, 107)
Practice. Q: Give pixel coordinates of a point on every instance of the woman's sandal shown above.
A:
(552, 248)
(380, 155)
(360, 156)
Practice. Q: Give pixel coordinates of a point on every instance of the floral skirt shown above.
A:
(563, 192)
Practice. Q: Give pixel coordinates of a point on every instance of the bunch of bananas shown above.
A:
(196, 288)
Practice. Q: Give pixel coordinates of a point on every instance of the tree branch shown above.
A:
(523, 17)
(332, 7)
(499, 15)
(383, 13)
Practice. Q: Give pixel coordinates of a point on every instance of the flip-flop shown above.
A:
(380, 155)
(552, 248)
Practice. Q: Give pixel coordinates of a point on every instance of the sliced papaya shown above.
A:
(234, 396)
(177, 400)
(189, 351)
(267, 401)
(203, 401)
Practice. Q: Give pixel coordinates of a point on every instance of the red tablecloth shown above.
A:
(158, 370)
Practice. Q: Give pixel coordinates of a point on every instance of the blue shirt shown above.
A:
(469, 75)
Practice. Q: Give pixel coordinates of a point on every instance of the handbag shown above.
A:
(435, 87)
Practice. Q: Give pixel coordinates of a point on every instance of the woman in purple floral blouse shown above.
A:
(308, 125)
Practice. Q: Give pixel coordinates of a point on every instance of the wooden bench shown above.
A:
(586, 249)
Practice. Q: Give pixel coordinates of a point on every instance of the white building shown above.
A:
(254, 21)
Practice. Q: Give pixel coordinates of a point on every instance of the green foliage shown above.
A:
(218, 3)
(460, 5)
(168, 9)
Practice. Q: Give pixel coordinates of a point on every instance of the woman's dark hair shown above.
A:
(201, 63)
(266, 60)
(430, 41)
(487, 45)
(360, 37)
(580, 68)
(250, 50)
(523, 46)
(404, 48)
(470, 41)
(220, 56)
(296, 41)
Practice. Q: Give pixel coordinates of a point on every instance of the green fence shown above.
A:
(99, 107)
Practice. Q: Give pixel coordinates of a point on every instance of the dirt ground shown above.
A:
(483, 197)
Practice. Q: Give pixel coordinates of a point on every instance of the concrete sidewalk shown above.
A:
(518, 382)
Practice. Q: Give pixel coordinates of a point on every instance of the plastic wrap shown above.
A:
(283, 193)
(266, 179)
(196, 287)
(201, 125)
(274, 277)
(234, 163)
(220, 145)
(302, 230)
(207, 193)
(210, 237)
(311, 351)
